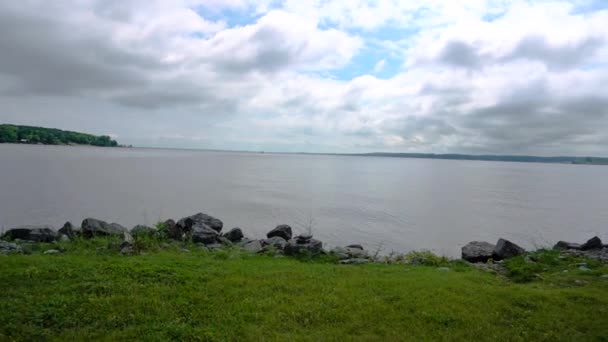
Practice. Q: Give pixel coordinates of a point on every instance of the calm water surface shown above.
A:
(399, 204)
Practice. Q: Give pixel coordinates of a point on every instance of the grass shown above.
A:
(90, 292)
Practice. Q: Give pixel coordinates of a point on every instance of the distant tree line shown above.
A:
(50, 136)
(524, 159)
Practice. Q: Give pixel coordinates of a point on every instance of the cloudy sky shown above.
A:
(470, 76)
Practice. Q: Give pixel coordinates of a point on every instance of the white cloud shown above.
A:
(379, 66)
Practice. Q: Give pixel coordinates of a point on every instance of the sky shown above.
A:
(435, 76)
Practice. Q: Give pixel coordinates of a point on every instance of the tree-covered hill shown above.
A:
(50, 136)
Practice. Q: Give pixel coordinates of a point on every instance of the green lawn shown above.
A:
(170, 295)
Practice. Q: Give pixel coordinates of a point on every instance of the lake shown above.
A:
(387, 203)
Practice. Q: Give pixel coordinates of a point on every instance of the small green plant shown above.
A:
(539, 264)
(162, 228)
(425, 258)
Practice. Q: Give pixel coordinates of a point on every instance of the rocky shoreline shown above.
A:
(205, 231)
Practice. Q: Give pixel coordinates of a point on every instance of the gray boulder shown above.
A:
(9, 247)
(68, 230)
(93, 227)
(298, 246)
(204, 234)
(31, 233)
(343, 253)
(234, 234)
(340, 252)
(126, 247)
(276, 242)
(567, 245)
(51, 252)
(304, 238)
(593, 243)
(187, 224)
(224, 241)
(127, 238)
(283, 231)
(141, 230)
(254, 246)
(173, 231)
(355, 261)
(357, 246)
(506, 249)
(477, 251)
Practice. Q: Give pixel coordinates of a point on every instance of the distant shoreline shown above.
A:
(31, 135)
(502, 158)
(570, 160)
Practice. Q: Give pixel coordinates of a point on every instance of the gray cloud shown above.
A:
(267, 50)
(534, 120)
(460, 54)
(558, 57)
(566, 56)
(46, 56)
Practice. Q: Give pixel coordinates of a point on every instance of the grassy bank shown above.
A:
(167, 294)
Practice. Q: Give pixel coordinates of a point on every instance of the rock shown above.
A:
(185, 250)
(126, 247)
(584, 268)
(604, 276)
(224, 241)
(506, 249)
(304, 238)
(173, 231)
(567, 245)
(355, 246)
(276, 242)
(215, 247)
(93, 227)
(244, 241)
(490, 267)
(187, 224)
(234, 234)
(68, 230)
(9, 247)
(283, 231)
(51, 251)
(126, 250)
(357, 253)
(443, 269)
(64, 238)
(254, 246)
(296, 246)
(340, 252)
(127, 238)
(118, 227)
(204, 234)
(600, 255)
(354, 261)
(528, 260)
(593, 243)
(477, 251)
(31, 233)
(141, 230)
(349, 253)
